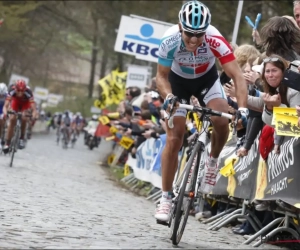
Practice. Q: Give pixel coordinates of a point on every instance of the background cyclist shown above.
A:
(19, 98)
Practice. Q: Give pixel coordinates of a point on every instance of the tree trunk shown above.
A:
(103, 68)
(4, 75)
(120, 62)
(94, 59)
(103, 63)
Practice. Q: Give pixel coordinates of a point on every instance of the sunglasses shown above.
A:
(191, 34)
(271, 59)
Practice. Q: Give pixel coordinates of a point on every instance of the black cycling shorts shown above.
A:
(205, 88)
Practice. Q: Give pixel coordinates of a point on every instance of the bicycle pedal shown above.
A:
(164, 223)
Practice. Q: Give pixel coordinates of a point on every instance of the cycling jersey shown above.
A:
(77, 120)
(20, 103)
(172, 53)
(66, 120)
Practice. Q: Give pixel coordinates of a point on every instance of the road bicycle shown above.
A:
(65, 138)
(13, 147)
(2, 136)
(186, 186)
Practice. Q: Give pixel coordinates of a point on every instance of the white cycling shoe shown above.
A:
(163, 211)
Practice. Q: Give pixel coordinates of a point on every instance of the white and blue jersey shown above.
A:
(191, 65)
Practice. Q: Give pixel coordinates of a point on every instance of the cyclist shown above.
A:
(20, 98)
(57, 123)
(77, 123)
(3, 95)
(186, 67)
(91, 126)
(66, 123)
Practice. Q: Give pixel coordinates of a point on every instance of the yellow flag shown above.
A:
(119, 79)
(228, 169)
(287, 125)
(99, 104)
(284, 111)
(113, 88)
(106, 84)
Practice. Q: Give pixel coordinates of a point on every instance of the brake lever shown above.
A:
(170, 116)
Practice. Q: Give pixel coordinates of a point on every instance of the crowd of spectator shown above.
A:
(264, 64)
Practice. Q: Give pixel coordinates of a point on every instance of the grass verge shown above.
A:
(116, 173)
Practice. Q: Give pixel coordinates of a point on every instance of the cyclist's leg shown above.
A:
(169, 160)
(1, 129)
(1, 122)
(69, 132)
(215, 98)
(11, 126)
(29, 124)
(24, 108)
(23, 125)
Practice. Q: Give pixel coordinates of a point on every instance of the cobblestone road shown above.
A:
(55, 198)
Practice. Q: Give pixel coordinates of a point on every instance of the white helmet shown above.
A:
(95, 117)
(3, 89)
(194, 17)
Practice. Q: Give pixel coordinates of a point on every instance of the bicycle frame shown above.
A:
(16, 137)
(201, 143)
(187, 185)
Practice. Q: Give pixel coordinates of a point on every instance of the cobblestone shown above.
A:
(56, 198)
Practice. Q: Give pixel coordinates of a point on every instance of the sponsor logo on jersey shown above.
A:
(170, 41)
(163, 46)
(227, 52)
(212, 42)
(204, 91)
(202, 50)
(191, 60)
(182, 49)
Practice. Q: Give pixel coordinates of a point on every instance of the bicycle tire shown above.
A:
(14, 147)
(179, 201)
(64, 139)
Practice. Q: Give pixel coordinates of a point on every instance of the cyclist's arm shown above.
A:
(162, 82)
(33, 107)
(6, 106)
(165, 60)
(233, 70)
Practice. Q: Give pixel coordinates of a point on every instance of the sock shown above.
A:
(166, 196)
(212, 161)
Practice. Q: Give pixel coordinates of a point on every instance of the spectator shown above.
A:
(132, 93)
(276, 94)
(297, 12)
(280, 36)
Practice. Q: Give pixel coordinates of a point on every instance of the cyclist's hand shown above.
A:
(170, 99)
(34, 116)
(242, 116)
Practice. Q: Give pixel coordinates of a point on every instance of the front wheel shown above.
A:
(14, 145)
(91, 143)
(184, 201)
